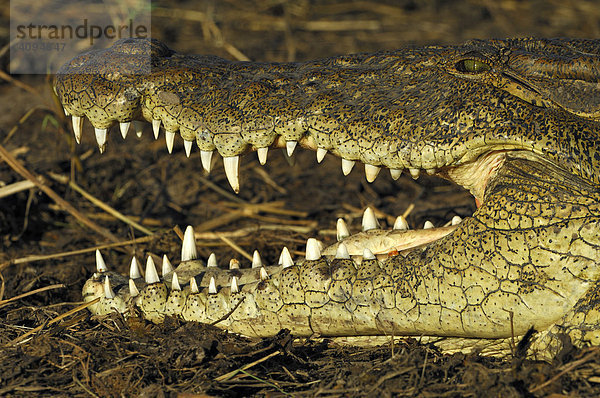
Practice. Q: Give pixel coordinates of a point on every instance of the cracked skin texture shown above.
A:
(527, 258)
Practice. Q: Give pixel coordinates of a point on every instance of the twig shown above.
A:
(16, 187)
(53, 321)
(568, 368)
(97, 202)
(235, 246)
(41, 289)
(19, 168)
(229, 375)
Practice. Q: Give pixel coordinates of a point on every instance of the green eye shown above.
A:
(472, 66)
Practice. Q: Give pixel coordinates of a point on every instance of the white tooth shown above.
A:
(167, 267)
(312, 250)
(414, 173)
(108, 292)
(401, 223)
(347, 166)
(290, 146)
(169, 139)
(262, 155)
(321, 152)
(77, 125)
(133, 290)
(234, 285)
(232, 169)
(151, 274)
(124, 127)
(369, 221)
(234, 264)
(212, 260)
(342, 251)
(212, 286)
(66, 111)
(188, 248)
(395, 173)
(456, 220)
(156, 127)
(256, 261)
(341, 229)
(100, 264)
(101, 139)
(285, 259)
(175, 282)
(194, 285)
(134, 269)
(187, 145)
(371, 172)
(206, 158)
(368, 255)
(138, 127)
(428, 225)
(263, 274)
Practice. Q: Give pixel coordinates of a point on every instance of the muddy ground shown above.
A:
(48, 347)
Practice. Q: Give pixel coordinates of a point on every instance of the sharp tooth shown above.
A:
(342, 251)
(188, 248)
(100, 264)
(194, 285)
(263, 274)
(414, 173)
(321, 152)
(156, 127)
(456, 220)
(138, 127)
(133, 290)
(175, 282)
(66, 111)
(371, 172)
(124, 127)
(395, 173)
(77, 125)
(167, 267)
(187, 145)
(206, 158)
(285, 259)
(212, 260)
(368, 255)
(347, 166)
(290, 146)
(108, 292)
(369, 221)
(256, 261)
(212, 286)
(169, 140)
(134, 269)
(234, 264)
(262, 155)
(428, 225)
(312, 250)
(341, 229)
(101, 139)
(151, 274)
(234, 285)
(232, 169)
(401, 223)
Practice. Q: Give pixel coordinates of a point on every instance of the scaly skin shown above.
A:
(513, 121)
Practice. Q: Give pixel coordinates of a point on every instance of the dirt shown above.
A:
(48, 347)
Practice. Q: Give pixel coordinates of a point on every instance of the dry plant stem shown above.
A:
(19, 168)
(567, 368)
(97, 202)
(229, 375)
(53, 321)
(41, 289)
(235, 247)
(16, 187)
(33, 258)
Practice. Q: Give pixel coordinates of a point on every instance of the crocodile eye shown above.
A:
(472, 66)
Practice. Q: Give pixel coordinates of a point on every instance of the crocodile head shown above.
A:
(516, 122)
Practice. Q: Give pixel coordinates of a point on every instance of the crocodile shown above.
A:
(515, 122)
